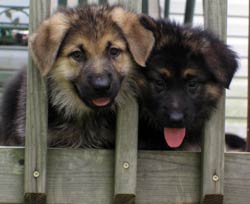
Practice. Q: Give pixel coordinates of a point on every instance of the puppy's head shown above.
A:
(87, 52)
(184, 79)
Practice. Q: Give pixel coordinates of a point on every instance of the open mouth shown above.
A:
(174, 136)
(101, 102)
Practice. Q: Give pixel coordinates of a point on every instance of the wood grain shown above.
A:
(36, 113)
(126, 141)
(215, 13)
(86, 177)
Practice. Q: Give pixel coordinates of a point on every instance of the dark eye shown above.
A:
(114, 52)
(192, 84)
(77, 55)
(159, 85)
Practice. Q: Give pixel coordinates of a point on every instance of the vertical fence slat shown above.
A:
(189, 12)
(248, 88)
(126, 153)
(145, 6)
(103, 1)
(126, 141)
(36, 119)
(62, 2)
(215, 16)
(166, 8)
(82, 2)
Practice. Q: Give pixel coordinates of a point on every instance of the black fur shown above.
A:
(178, 101)
(235, 142)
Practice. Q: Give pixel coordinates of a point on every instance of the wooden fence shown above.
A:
(60, 176)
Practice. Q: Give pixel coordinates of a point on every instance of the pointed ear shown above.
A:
(140, 40)
(45, 42)
(220, 60)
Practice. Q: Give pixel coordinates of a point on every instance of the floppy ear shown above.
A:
(140, 40)
(220, 60)
(149, 23)
(45, 42)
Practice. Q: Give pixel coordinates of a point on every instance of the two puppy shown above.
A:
(97, 56)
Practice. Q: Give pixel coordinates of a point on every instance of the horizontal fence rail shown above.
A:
(86, 176)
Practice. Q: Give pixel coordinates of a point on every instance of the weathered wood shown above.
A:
(126, 153)
(36, 115)
(189, 12)
(248, 89)
(126, 141)
(214, 138)
(86, 177)
(145, 6)
(166, 9)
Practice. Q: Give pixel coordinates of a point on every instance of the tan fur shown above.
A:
(62, 68)
(45, 42)
(213, 90)
(141, 40)
(165, 72)
(190, 72)
(65, 69)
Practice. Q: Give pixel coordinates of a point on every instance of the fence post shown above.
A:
(126, 140)
(126, 153)
(215, 18)
(189, 12)
(36, 119)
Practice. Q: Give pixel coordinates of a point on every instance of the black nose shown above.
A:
(100, 82)
(176, 117)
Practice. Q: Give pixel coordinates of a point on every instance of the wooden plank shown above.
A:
(62, 2)
(145, 7)
(166, 8)
(126, 153)
(189, 12)
(86, 176)
(126, 141)
(215, 13)
(36, 119)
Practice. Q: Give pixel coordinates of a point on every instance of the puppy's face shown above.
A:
(185, 76)
(87, 52)
(179, 95)
(93, 65)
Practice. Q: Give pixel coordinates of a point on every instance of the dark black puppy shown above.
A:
(185, 77)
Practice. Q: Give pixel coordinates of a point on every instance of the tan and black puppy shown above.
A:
(185, 76)
(88, 55)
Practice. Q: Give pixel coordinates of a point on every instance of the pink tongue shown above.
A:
(101, 101)
(174, 136)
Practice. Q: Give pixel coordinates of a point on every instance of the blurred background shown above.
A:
(14, 19)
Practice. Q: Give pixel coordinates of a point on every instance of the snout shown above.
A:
(100, 82)
(98, 89)
(176, 117)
